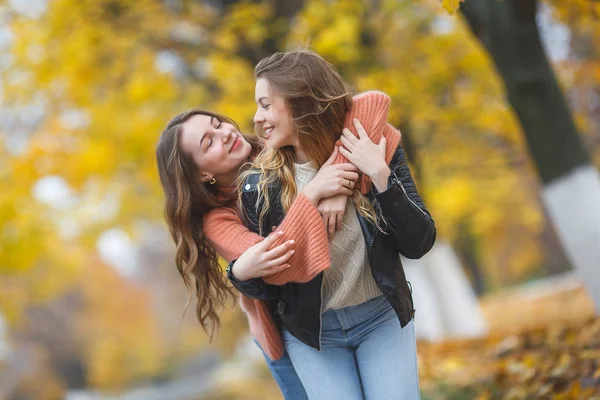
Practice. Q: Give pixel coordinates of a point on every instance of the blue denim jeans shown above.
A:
(286, 377)
(365, 354)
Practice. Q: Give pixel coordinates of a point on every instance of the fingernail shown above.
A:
(292, 252)
(280, 232)
(292, 241)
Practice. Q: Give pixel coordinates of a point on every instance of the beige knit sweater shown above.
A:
(348, 281)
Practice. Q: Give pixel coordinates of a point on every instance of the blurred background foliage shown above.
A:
(88, 289)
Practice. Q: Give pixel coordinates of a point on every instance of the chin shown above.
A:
(275, 144)
(246, 150)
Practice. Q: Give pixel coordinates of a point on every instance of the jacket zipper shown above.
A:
(406, 194)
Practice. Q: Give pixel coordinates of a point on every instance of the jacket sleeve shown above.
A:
(255, 288)
(409, 223)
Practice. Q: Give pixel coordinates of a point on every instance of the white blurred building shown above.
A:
(4, 348)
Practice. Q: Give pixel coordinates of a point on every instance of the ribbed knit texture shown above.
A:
(302, 223)
(231, 238)
(371, 109)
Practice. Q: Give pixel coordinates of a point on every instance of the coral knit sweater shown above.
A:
(224, 228)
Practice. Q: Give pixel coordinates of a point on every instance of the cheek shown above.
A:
(247, 149)
(212, 162)
(286, 119)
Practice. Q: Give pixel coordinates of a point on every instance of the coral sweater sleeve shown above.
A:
(371, 109)
(302, 223)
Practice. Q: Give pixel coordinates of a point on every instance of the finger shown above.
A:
(346, 153)
(332, 156)
(280, 260)
(344, 190)
(350, 175)
(326, 221)
(277, 251)
(331, 226)
(339, 221)
(269, 240)
(347, 166)
(347, 183)
(382, 144)
(347, 143)
(276, 269)
(347, 133)
(359, 128)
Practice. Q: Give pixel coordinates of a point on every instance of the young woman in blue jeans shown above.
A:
(349, 331)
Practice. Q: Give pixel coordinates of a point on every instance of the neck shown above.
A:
(226, 181)
(301, 157)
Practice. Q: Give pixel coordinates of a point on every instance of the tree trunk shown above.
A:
(509, 32)
(466, 250)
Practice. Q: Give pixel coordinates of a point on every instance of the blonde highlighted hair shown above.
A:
(318, 100)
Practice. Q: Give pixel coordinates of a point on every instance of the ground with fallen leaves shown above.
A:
(540, 347)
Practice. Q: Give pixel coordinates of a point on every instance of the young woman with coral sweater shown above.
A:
(199, 155)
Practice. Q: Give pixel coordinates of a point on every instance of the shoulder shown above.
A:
(252, 180)
(250, 183)
(218, 214)
(398, 158)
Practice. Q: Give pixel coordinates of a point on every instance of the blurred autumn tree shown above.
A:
(87, 87)
(509, 31)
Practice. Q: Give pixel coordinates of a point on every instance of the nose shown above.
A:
(226, 135)
(258, 117)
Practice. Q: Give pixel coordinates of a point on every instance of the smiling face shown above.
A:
(273, 120)
(217, 148)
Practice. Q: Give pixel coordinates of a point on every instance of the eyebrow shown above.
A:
(262, 98)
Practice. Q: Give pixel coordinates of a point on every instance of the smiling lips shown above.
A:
(236, 144)
(268, 132)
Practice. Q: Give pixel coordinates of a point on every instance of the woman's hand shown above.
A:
(259, 261)
(366, 155)
(331, 180)
(332, 210)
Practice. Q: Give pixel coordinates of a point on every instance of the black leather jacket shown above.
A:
(410, 231)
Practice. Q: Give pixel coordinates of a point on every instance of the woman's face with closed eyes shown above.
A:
(217, 148)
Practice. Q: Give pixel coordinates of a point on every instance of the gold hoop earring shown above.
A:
(212, 181)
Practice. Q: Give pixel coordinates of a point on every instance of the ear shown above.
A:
(205, 177)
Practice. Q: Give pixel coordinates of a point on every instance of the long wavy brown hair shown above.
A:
(318, 99)
(187, 200)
